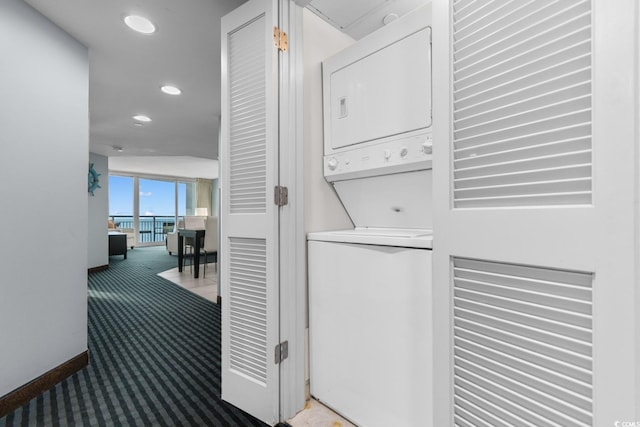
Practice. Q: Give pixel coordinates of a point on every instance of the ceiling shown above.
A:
(174, 166)
(127, 70)
(359, 18)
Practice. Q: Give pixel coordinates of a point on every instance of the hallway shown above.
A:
(154, 356)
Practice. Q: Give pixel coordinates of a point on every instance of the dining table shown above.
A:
(196, 236)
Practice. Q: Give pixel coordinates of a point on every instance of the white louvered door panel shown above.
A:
(535, 164)
(522, 103)
(248, 308)
(249, 218)
(522, 345)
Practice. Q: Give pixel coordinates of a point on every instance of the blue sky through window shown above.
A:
(156, 197)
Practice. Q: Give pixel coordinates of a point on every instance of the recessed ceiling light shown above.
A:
(171, 90)
(388, 19)
(142, 118)
(118, 149)
(140, 24)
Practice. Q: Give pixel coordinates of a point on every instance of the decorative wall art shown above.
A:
(93, 179)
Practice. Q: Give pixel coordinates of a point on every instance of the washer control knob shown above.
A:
(404, 151)
(332, 163)
(387, 154)
(427, 146)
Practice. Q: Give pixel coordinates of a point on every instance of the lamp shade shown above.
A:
(202, 212)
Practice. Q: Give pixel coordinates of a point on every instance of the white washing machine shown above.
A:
(370, 324)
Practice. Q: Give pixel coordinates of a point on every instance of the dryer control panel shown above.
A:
(391, 155)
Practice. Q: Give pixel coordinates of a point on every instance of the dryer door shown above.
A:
(380, 86)
(384, 94)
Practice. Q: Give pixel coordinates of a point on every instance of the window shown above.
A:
(156, 209)
(121, 201)
(149, 207)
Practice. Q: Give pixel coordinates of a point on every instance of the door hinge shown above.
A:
(281, 196)
(280, 39)
(281, 352)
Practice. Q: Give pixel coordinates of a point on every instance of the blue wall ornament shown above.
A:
(93, 179)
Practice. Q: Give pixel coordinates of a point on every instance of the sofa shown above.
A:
(131, 237)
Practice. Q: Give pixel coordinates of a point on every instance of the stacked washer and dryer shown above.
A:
(370, 328)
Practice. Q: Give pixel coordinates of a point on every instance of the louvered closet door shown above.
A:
(249, 221)
(534, 252)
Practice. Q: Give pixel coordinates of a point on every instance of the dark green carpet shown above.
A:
(154, 356)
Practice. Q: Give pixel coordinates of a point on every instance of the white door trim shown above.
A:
(292, 235)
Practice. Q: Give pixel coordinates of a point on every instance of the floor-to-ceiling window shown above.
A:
(150, 207)
(156, 209)
(121, 201)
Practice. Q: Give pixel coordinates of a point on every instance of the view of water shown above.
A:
(151, 228)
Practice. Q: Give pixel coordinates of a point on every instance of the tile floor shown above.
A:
(314, 413)
(205, 286)
(317, 415)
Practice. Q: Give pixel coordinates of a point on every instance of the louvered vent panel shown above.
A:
(522, 346)
(248, 307)
(247, 134)
(522, 103)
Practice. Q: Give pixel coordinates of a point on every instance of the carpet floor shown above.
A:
(154, 356)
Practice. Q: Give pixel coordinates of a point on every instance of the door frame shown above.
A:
(292, 235)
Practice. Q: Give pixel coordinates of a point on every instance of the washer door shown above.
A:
(370, 331)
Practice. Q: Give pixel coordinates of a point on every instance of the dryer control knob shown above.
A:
(387, 154)
(404, 151)
(427, 147)
(332, 164)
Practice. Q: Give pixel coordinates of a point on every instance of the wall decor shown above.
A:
(93, 179)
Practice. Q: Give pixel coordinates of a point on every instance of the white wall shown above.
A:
(637, 205)
(43, 190)
(98, 253)
(322, 208)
